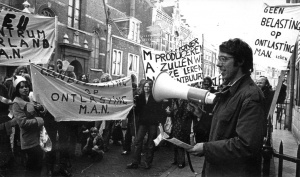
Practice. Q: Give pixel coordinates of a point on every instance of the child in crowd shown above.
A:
(94, 145)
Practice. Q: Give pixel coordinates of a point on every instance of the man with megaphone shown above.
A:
(236, 136)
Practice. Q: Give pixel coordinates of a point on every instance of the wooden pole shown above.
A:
(107, 37)
(292, 72)
(56, 45)
(202, 56)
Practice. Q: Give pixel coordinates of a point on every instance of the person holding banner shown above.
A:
(150, 114)
(236, 136)
(26, 115)
(107, 124)
(53, 128)
(8, 83)
(131, 124)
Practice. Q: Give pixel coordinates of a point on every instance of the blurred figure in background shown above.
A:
(181, 128)
(107, 124)
(94, 145)
(131, 124)
(202, 124)
(264, 84)
(6, 155)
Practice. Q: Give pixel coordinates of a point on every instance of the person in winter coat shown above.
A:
(26, 115)
(237, 133)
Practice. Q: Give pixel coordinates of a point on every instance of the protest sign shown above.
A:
(276, 35)
(184, 64)
(26, 38)
(68, 99)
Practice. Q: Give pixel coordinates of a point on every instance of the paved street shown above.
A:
(113, 164)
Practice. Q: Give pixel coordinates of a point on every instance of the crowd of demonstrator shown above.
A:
(22, 120)
(229, 133)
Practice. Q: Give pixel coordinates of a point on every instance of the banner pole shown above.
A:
(143, 62)
(134, 122)
(56, 45)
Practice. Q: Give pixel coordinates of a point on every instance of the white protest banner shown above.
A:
(26, 38)
(276, 35)
(184, 64)
(72, 100)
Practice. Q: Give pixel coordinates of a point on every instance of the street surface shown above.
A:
(112, 164)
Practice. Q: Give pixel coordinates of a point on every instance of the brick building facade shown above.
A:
(96, 37)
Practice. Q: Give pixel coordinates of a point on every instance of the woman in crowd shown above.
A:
(26, 115)
(84, 78)
(181, 128)
(150, 115)
(8, 83)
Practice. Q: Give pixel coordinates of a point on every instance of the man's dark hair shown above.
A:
(241, 52)
(207, 78)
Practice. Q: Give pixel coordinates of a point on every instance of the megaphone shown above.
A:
(166, 87)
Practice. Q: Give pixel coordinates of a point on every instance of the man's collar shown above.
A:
(236, 80)
(232, 87)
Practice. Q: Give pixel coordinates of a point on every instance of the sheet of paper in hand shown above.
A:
(165, 136)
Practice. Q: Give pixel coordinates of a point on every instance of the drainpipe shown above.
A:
(107, 37)
(292, 72)
(202, 56)
(132, 8)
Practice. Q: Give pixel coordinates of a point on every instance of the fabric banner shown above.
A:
(26, 38)
(68, 99)
(276, 34)
(184, 64)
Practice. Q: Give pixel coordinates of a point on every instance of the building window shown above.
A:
(133, 63)
(117, 62)
(95, 53)
(74, 13)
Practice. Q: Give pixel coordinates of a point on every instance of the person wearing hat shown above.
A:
(26, 115)
(8, 83)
